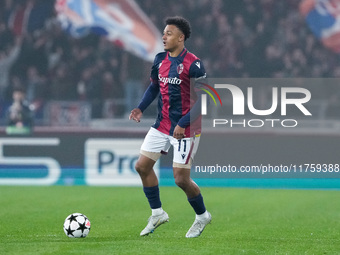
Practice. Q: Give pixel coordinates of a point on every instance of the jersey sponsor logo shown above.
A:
(180, 68)
(173, 80)
(198, 64)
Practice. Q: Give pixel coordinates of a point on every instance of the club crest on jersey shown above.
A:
(180, 68)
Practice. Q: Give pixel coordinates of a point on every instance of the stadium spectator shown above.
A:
(60, 86)
(20, 113)
(8, 56)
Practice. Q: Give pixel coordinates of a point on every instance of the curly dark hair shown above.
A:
(181, 23)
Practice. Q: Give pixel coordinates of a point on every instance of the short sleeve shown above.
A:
(197, 70)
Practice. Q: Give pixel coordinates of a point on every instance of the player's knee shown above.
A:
(140, 168)
(181, 182)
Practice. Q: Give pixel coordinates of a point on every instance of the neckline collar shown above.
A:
(179, 55)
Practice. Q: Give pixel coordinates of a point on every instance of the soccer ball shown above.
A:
(77, 225)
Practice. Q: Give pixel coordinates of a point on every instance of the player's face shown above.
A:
(173, 38)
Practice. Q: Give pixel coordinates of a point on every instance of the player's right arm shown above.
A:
(136, 115)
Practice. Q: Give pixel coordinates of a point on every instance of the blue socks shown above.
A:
(198, 204)
(152, 194)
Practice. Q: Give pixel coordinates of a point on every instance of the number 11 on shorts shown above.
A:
(184, 145)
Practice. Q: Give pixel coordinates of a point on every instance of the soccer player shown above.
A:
(177, 124)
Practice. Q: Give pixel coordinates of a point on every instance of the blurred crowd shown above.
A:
(236, 38)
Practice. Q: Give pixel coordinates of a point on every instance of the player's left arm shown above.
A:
(187, 119)
(196, 71)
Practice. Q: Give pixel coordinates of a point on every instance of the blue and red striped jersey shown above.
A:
(177, 95)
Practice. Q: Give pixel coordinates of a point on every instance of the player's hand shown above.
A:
(136, 115)
(179, 132)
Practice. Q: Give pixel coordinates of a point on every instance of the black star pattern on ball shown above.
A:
(82, 227)
(72, 218)
(69, 231)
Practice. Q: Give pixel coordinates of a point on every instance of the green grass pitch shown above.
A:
(245, 221)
